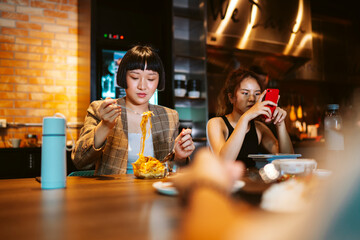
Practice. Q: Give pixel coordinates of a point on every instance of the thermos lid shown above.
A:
(53, 125)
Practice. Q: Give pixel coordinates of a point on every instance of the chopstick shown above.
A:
(141, 114)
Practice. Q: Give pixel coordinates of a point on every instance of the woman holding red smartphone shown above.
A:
(238, 131)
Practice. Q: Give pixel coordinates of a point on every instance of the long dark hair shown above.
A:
(232, 83)
(137, 58)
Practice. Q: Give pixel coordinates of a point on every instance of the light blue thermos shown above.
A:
(53, 153)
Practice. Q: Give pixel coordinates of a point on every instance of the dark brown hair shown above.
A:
(232, 83)
(137, 58)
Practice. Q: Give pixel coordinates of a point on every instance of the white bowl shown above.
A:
(322, 173)
(295, 166)
(180, 92)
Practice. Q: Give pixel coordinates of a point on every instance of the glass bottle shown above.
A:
(334, 137)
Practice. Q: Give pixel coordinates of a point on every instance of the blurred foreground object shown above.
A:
(326, 207)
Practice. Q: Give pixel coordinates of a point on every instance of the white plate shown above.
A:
(168, 188)
(322, 173)
(237, 186)
(271, 157)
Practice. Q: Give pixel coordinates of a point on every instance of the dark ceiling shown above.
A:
(334, 9)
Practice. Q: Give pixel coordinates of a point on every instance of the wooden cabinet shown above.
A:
(25, 162)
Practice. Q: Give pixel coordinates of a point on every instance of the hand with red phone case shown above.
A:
(272, 94)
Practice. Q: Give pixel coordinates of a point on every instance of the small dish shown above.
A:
(237, 186)
(263, 159)
(168, 188)
(322, 173)
(271, 157)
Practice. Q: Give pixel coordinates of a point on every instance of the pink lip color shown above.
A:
(141, 95)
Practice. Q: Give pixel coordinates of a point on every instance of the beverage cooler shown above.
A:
(107, 86)
(108, 29)
(110, 60)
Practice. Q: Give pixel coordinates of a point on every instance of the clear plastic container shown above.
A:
(334, 137)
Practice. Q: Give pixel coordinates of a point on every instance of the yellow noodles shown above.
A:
(147, 167)
(146, 116)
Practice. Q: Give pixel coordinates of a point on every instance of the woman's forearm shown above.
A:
(100, 135)
(285, 144)
(233, 144)
(84, 155)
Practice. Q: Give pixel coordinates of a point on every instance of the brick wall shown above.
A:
(39, 64)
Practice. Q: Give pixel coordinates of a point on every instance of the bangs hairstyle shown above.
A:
(137, 58)
(232, 83)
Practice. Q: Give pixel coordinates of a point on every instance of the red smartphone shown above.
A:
(272, 94)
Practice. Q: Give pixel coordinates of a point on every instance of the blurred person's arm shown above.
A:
(205, 186)
(211, 214)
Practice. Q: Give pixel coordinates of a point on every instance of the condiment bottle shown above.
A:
(334, 137)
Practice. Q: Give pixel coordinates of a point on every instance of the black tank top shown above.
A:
(250, 144)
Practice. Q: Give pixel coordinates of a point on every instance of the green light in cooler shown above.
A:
(195, 114)
(105, 35)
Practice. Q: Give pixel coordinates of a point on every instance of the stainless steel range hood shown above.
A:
(274, 34)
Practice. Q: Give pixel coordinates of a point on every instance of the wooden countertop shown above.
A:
(116, 207)
(104, 207)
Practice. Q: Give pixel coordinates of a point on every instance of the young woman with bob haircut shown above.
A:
(110, 137)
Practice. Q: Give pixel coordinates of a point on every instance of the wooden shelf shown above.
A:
(189, 98)
(191, 57)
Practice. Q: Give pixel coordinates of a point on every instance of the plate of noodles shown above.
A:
(149, 167)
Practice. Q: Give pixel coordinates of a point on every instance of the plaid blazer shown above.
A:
(112, 157)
